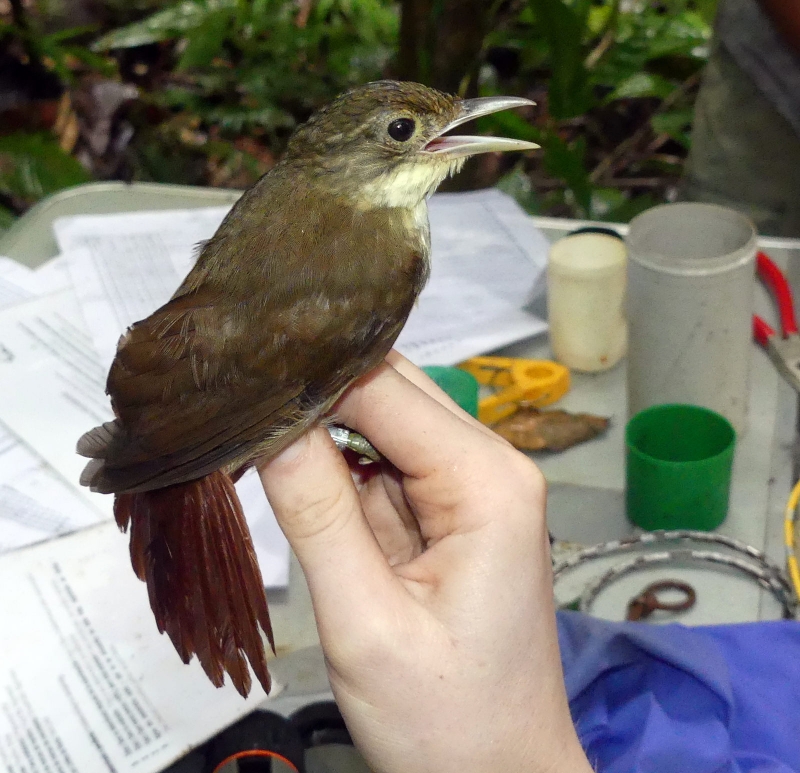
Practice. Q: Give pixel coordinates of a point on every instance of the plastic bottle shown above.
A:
(586, 298)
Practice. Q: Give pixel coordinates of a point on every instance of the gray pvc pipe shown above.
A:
(690, 306)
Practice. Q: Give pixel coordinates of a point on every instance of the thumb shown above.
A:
(319, 510)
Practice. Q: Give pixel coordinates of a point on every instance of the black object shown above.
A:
(320, 724)
(597, 229)
(255, 742)
(193, 762)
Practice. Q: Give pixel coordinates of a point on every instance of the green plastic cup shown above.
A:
(462, 387)
(678, 467)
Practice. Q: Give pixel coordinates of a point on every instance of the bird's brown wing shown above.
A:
(217, 376)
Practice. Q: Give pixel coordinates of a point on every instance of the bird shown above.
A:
(303, 289)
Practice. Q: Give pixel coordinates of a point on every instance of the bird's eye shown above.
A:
(402, 129)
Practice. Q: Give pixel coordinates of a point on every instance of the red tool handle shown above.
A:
(761, 331)
(773, 277)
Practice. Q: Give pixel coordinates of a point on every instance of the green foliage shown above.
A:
(562, 28)
(641, 84)
(640, 39)
(206, 40)
(675, 123)
(518, 184)
(567, 162)
(598, 54)
(172, 22)
(612, 205)
(59, 47)
(229, 79)
(6, 217)
(33, 166)
(255, 63)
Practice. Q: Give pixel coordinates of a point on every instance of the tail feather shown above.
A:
(95, 442)
(191, 545)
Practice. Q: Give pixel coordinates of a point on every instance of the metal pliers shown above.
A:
(784, 349)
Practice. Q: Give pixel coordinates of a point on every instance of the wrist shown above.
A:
(564, 754)
(577, 762)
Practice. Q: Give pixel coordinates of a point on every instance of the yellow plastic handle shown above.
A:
(535, 382)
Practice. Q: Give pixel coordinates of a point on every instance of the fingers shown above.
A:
(419, 378)
(317, 506)
(392, 522)
(415, 431)
(457, 477)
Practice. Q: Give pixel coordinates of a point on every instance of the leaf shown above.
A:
(171, 23)
(563, 28)
(599, 17)
(6, 218)
(532, 429)
(646, 36)
(509, 124)
(69, 34)
(628, 207)
(674, 123)
(566, 162)
(606, 200)
(96, 62)
(706, 10)
(625, 58)
(33, 166)
(517, 184)
(680, 34)
(642, 84)
(205, 41)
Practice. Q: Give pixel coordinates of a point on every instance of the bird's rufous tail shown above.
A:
(191, 545)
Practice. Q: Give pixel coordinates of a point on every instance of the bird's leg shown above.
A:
(347, 439)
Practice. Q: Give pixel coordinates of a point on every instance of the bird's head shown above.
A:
(385, 144)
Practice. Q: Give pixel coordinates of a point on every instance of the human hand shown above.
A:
(431, 585)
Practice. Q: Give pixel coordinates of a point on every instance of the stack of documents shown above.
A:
(84, 676)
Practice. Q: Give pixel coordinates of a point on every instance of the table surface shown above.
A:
(586, 483)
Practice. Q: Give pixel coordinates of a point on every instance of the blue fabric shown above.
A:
(673, 699)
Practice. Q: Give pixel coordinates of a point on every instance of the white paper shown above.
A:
(17, 282)
(52, 384)
(53, 388)
(87, 684)
(35, 503)
(123, 267)
(53, 276)
(487, 264)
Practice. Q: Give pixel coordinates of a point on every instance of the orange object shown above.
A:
(535, 383)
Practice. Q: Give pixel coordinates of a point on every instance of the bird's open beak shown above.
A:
(457, 147)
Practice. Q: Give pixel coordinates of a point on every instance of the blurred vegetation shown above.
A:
(207, 92)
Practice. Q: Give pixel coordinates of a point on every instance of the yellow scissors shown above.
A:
(534, 382)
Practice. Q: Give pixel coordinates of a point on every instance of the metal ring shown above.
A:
(764, 578)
